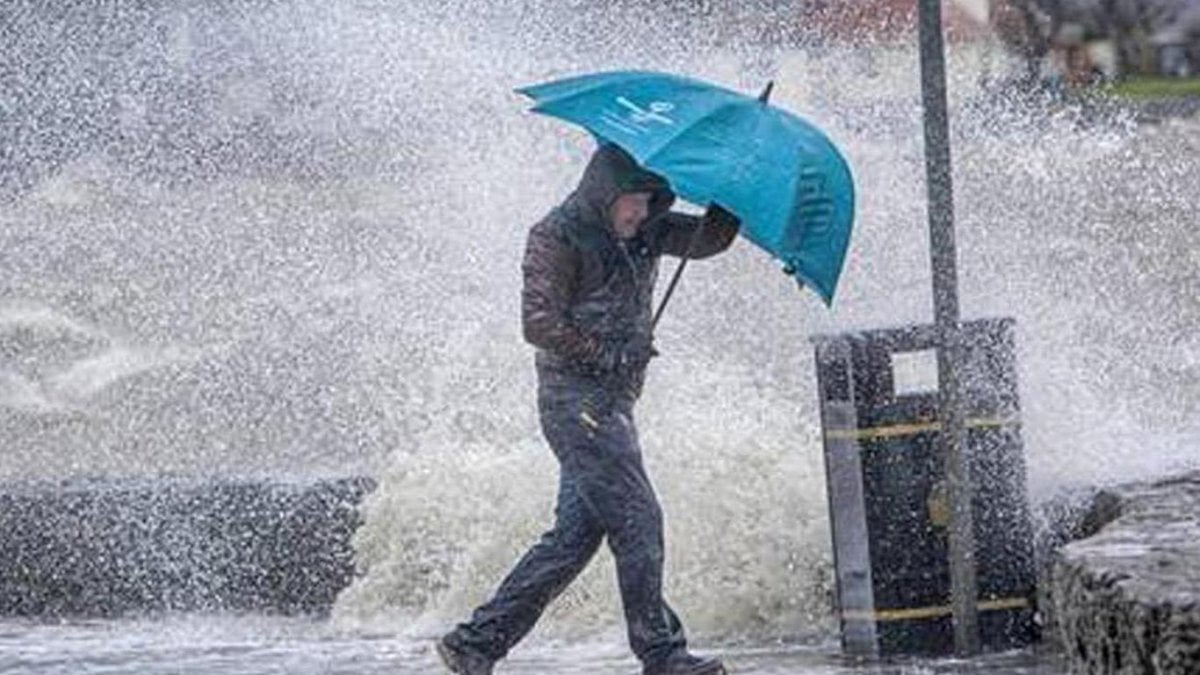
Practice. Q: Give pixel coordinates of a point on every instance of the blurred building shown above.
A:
(1177, 45)
(882, 21)
(1079, 40)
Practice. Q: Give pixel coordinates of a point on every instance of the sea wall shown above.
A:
(111, 548)
(1125, 599)
(1120, 587)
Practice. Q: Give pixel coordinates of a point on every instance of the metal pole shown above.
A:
(952, 438)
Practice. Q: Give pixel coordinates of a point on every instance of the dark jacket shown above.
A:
(585, 289)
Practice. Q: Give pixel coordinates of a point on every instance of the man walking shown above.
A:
(589, 273)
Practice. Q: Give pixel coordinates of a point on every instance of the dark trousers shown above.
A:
(603, 491)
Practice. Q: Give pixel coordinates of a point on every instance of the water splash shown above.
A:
(284, 238)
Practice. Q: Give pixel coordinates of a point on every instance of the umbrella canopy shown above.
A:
(779, 174)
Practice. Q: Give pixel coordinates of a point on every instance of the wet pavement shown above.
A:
(229, 645)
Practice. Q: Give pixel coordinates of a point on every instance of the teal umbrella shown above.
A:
(779, 174)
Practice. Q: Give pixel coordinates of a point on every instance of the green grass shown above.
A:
(1155, 87)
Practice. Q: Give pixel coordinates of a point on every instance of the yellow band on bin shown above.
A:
(896, 430)
(913, 613)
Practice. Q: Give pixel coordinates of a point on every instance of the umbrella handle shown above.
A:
(678, 273)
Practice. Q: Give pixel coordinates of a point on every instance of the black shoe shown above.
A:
(461, 660)
(683, 663)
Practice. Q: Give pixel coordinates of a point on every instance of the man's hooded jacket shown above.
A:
(585, 290)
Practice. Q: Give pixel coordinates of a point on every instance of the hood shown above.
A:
(612, 172)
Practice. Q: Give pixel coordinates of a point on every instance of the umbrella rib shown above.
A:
(588, 89)
(679, 134)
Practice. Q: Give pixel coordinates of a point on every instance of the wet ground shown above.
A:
(244, 645)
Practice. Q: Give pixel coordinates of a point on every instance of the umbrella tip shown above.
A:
(766, 92)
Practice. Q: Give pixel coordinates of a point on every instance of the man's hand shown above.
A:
(637, 352)
(715, 215)
(626, 357)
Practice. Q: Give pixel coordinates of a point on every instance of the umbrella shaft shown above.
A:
(678, 273)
